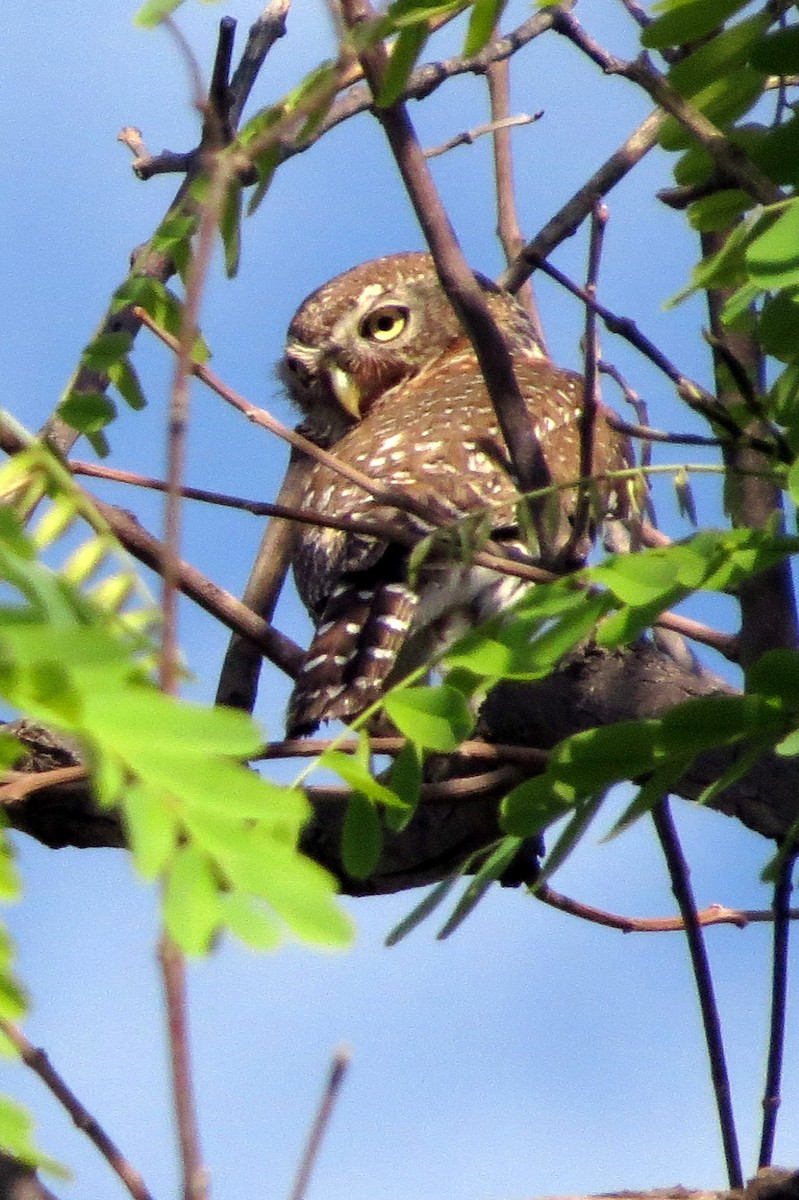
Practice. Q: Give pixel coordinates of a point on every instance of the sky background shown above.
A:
(530, 1054)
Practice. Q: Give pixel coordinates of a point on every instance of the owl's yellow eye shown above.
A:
(384, 324)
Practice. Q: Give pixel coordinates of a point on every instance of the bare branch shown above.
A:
(781, 912)
(681, 885)
(40, 1064)
(569, 218)
(468, 136)
(508, 228)
(335, 1079)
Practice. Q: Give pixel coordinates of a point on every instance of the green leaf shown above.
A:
(248, 920)
(87, 412)
(13, 1003)
(124, 378)
(773, 256)
(361, 837)
(192, 913)
(722, 102)
(719, 55)
(491, 870)
(405, 780)
(709, 721)
(230, 228)
(659, 784)
(426, 906)
(482, 20)
(412, 12)
(719, 210)
(640, 579)
(529, 808)
(300, 891)
(727, 267)
(775, 675)
(778, 326)
(789, 746)
(106, 349)
(584, 814)
(404, 55)
(11, 750)
(153, 12)
(152, 828)
(686, 21)
(775, 150)
(597, 758)
(436, 718)
(356, 770)
(16, 1139)
(778, 54)
(152, 721)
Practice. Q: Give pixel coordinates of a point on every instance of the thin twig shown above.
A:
(508, 228)
(173, 976)
(781, 911)
(735, 165)
(468, 136)
(681, 886)
(426, 79)
(40, 1064)
(338, 1070)
(714, 914)
(695, 396)
(588, 408)
(266, 30)
(568, 219)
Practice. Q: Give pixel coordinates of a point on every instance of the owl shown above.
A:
(384, 375)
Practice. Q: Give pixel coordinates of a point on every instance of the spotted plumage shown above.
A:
(384, 375)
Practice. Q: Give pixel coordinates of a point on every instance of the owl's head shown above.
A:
(369, 329)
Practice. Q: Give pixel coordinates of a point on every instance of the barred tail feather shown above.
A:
(353, 652)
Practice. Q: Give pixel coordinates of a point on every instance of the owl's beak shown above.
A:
(345, 390)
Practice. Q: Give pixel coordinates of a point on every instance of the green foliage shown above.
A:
(78, 655)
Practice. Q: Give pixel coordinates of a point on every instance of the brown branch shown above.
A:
(569, 218)
(695, 396)
(173, 977)
(264, 32)
(508, 228)
(468, 136)
(469, 750)
(40, 1064)
(714, 914)
(241, 668)
(332, 1090)
(426, 79)
(734, 164)
(782, 915)
(680, 880)
(16, 786)
(589, 401)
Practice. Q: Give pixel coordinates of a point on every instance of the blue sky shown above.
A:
(530, 1054)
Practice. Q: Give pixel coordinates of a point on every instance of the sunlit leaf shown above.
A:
(191, 907)
(685, 21)
(437, 718)
(404, 54)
